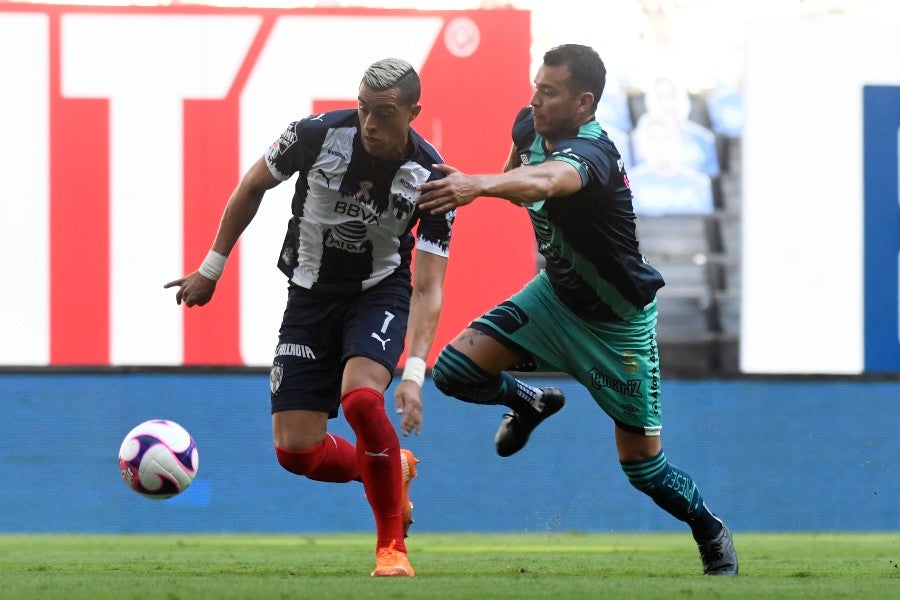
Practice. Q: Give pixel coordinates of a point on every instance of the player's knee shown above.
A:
(448, 378)
(645, 475)
(360, 404)
(456, 375)
(299, 462)
(639, 484)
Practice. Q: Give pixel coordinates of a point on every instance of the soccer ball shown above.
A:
(158, 459)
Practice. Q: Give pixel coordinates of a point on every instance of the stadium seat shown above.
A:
(683, 313)
(729, 193)
(730, 228)
(698, 112)
(675, 237)
(699, 255)
(665, 96)
(725, 107)
(728, 312)
(693, 279)
(687, 344)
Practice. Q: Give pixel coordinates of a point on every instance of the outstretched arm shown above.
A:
(424, 312)
(518, 185)
(198, 287)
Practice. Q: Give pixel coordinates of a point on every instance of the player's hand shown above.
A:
(193, 290)
(408, 398)
(443, 195)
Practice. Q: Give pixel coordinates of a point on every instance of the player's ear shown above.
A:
(414, 111)
(585, 101)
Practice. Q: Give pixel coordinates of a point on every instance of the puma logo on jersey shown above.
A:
(326, 178)
(383, 342)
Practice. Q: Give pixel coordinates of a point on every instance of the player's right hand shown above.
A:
(193, 290)
(440, 196)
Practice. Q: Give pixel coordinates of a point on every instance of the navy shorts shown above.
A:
(321, 331)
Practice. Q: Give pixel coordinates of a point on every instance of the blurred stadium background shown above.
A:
(762, 140)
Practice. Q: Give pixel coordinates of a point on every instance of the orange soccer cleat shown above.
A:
(392, 563)
(408, 464)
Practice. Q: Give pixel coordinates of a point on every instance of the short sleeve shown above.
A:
(284, 155)
(433, 233)
(586, 156)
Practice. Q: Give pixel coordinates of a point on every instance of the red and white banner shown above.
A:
(124, 130)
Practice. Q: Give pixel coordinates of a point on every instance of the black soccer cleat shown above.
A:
(515, 427)
(718, 554)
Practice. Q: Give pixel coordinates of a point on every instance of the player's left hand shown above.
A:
(408, 398)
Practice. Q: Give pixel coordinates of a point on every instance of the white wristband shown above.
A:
(213, 265)
(414, 370)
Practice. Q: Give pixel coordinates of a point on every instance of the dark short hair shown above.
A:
(394, 73)
(588, 73)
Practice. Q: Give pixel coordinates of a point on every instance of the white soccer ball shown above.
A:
(158, 459)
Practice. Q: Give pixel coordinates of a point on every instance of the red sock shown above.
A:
(333, 459)
(378, 457)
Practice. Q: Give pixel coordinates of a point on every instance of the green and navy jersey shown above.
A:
(588, 239)
(353, 213)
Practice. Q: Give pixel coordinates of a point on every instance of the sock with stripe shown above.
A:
(455, 374)
(378, 457)
(674, 491)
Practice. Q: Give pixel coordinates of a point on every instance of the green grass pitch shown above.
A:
(483, 566)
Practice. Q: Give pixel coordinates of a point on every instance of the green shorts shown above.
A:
(618, 363)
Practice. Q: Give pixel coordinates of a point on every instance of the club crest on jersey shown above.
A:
(524, 158)
(401, 206)
(275, 377)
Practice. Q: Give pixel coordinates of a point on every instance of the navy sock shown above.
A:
(705, 526)
(519, 396)
(674, 491)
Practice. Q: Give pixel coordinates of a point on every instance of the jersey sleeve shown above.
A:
(433, 233)
(586, 156)
(523, 130)
(284, 157)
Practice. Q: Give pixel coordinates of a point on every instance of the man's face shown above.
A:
(384, 120)
(557, 109)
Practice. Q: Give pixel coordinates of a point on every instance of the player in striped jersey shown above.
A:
(352, 296)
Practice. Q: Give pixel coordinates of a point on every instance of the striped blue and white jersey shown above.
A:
(352, 213)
